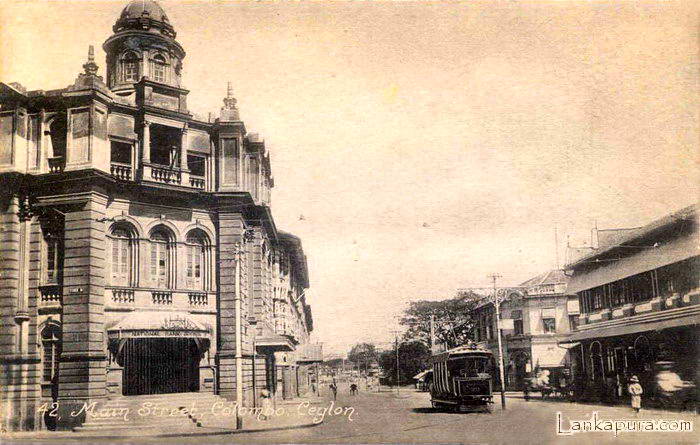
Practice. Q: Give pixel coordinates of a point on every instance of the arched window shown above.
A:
(161, 261)
(158, 68)
(124, 251)
(130, 67)
(197, 255)
(51, 352)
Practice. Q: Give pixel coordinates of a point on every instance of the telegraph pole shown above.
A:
(397, 363)
(432, 333)
(497, 303)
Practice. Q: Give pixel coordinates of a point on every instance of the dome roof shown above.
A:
(138, 8)
(145, 15)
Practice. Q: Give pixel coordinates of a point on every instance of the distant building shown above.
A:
(138, 253)
(541, 316)
(639, 293)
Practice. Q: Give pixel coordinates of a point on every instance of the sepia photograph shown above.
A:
(349, 221)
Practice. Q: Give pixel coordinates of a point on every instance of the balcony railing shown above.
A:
(123, 296)
(198, 298)
(197, 182)
(56, 164)
(121, 171)
(162, 297)
(166, 175)
(50, 295)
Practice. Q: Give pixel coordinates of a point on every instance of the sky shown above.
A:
(419, 147)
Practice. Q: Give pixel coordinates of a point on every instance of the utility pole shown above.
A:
(556, 247)
(397, 363)
(239, 333)
(497, 303)
(432, 333)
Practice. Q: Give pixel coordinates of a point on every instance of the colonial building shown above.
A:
(639, 292)
(535, 320)
(138, 253)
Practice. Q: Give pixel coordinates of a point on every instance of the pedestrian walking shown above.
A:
(353, 389)
(334, 390)
(636, 391)
(266, 404)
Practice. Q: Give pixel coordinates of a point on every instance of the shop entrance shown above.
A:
(160, 366)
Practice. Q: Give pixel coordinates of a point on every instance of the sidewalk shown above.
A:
(536, 396)
(293, 414)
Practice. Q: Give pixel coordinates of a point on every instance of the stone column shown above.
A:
(82, 375)
(185, 173)
(183, 149)
(146, 143)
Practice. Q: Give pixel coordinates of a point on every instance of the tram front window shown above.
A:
(469, 366)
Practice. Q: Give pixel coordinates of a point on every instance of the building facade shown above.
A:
(639, 293)
(138, 253)
(536, 319)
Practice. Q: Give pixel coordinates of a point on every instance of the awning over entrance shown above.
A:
(274, 343)
(614, 331)
(421, 375)
(151, 324)
(642, 261)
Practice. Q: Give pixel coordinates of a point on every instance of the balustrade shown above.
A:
(50, 295)
(121, 171)
(197, 182)
(166, 175)
(162, 297)
(198, 298)
(123, 296)
(56, 164)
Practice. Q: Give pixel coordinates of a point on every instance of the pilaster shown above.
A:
(82, 375)
(230, 241)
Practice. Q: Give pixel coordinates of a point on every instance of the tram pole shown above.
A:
(397, 363)
(497, 303)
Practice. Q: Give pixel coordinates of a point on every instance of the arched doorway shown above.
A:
(519, 361)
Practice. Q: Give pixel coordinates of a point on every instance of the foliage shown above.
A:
(414, 357)
(363, 355)
(453, 322)
(334, 363)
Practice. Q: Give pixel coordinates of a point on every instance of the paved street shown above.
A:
(384, 417)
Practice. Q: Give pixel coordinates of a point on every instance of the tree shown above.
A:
(363, 355)
(333, 363)
(453, 322)
(414, 357)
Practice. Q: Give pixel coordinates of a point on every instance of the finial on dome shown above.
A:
(91, 67)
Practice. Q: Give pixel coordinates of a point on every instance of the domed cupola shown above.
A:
(144, 15)
(143, 45)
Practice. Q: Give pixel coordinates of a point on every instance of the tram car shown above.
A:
(462, 379)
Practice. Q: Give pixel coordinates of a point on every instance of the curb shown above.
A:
(78, 436)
